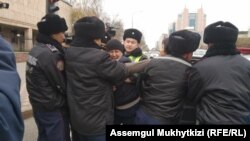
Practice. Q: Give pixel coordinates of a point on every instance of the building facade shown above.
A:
(171, 27)
(191, 20)
(248, 33)
(18, 23)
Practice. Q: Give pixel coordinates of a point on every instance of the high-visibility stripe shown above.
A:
(135, 59)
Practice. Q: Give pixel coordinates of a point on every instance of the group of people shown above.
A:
(83, 88)
(72, 89)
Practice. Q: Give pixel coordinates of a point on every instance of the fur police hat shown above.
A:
(114, 44)
(52, 24)
(132, 33)
(183, 41)
(220, 32)
(89, 28)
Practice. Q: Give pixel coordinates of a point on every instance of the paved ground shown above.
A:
(25, 104)
(30, 132)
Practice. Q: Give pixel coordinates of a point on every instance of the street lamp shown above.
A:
(18, 41)
(133, 17)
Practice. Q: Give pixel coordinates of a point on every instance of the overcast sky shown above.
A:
(152, 17)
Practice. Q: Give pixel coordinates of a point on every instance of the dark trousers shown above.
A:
(79, 137)
(143, 118)
(52, 126)
(126, 116)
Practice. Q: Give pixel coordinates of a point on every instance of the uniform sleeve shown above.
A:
(52, 65)
(195, 85)
(111, 70)
(136, 67)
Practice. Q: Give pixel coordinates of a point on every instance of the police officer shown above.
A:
(132, 38)
(46, 80)
(219, 83)
(164, 87)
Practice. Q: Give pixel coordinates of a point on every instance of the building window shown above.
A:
(192, 20)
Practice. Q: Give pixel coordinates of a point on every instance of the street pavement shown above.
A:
(30, 130)
(25, 104)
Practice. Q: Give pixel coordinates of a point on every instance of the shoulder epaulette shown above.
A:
(52, 48)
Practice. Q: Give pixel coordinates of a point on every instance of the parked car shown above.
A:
(247, 56)
(245, 52)
(153, 54)
(197, 55)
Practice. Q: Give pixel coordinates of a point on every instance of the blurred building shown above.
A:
(191, 20)
(18, 22)
(249, 32)
(171, 28)
(243, 34)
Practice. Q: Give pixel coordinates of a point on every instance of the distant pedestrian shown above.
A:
(219, 83)
(45, 78)
(125, 93)
(164, 87)
(11, 121)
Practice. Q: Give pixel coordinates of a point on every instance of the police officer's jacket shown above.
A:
(90, 77)
(136, 55)
(164, 89)
(220, 87)
(125, 93)
(45, 76)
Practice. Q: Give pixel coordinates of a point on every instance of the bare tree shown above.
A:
(118, 25)
(143, 44)
(114, 24)
(86, 8)
(94, 8)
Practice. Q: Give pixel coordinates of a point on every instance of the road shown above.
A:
(30, 133)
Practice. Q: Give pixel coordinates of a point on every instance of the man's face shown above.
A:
(130, 44)
(59, 37)
(115, 54)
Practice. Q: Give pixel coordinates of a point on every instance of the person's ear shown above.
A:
(188, 56)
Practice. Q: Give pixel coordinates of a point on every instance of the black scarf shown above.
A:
(135, 53)
(48, 40)
(222, 49)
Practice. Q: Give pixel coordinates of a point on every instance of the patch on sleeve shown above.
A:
(60, 65)
(52, 48)
(32, 60)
